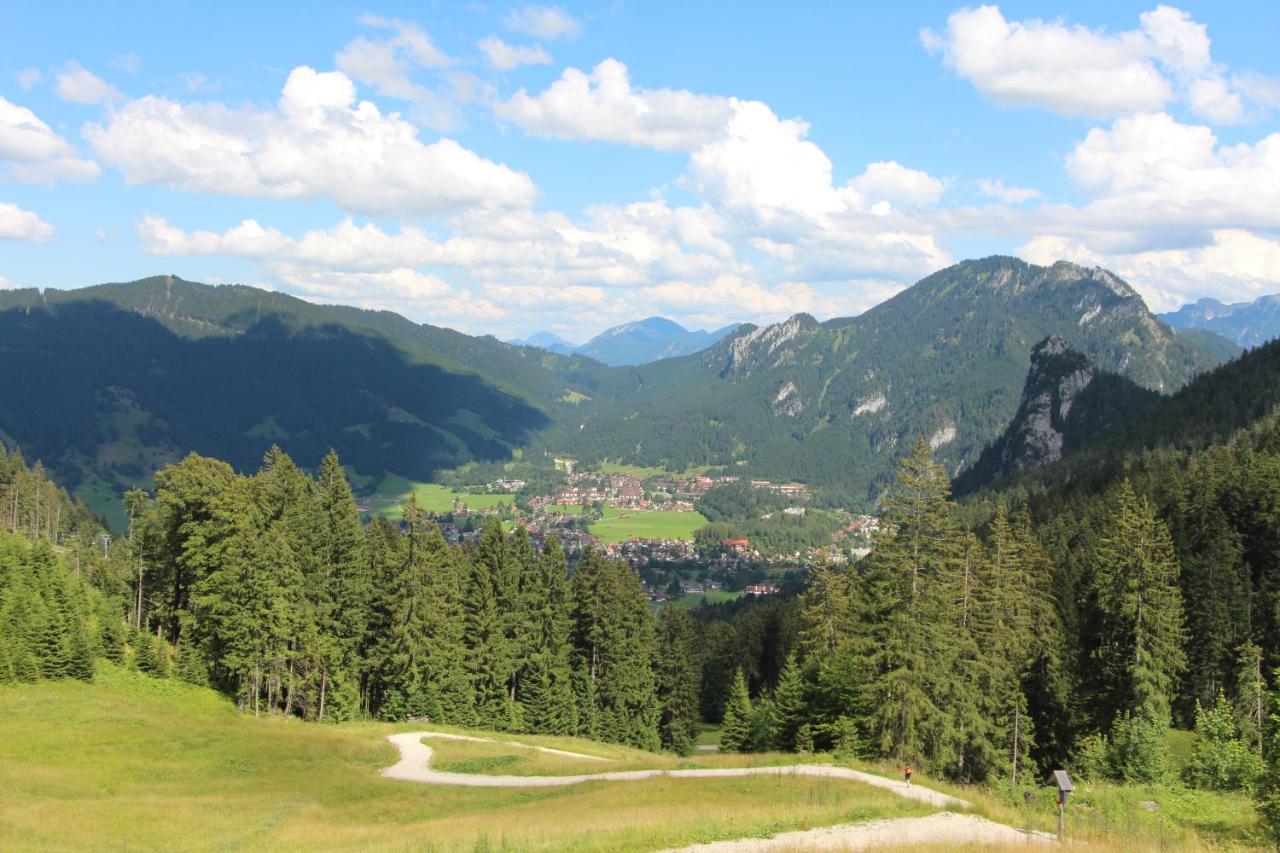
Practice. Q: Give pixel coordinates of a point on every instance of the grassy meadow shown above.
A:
(132, 762)
(620, 525)
(691, 600)
(394, 490)
(136, 763)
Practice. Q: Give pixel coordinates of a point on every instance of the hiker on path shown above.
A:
(907, 771)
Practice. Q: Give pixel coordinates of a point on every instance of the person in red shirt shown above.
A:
(907, 771)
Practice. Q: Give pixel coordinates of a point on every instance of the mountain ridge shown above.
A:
(121, 369)
(634, 342)
(1248, 324)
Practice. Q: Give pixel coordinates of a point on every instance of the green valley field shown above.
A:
(619, 525)
(394, 490)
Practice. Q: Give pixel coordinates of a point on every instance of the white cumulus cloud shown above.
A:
(80, 86)
(387, 64)
(30, 152)
(999, 190)
(604, 106)
(501, 56)
(28, 78)
(1078, 71)
(319, 142)
(546, 22)
(19, 224)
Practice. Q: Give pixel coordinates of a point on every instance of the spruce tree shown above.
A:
(614, 644)
(735, 731)
(549, 705)
(1135, 581)
(828, 615)
(345, 595)
(679, 675)
(489, 658)
(911, 616)
(791, 700)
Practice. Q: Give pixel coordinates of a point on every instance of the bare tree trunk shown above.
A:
(137, 612)
(324, 682)
(288, 693)
(1017, 721)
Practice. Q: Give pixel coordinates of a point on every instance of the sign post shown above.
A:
(1063, 781)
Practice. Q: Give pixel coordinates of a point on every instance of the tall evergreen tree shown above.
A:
(679, 674)
(490, 659)
(1135, 581)
(911, 617)
(792, 703)
(735, 733)
(614, 637)
(549, 696)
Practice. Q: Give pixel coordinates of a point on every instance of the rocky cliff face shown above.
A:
(1066, 403)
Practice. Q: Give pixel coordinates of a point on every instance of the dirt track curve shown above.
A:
(415, 766)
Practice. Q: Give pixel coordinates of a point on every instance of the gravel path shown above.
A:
(945, 827)
(415, 766)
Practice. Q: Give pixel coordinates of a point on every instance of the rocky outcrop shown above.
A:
(765, 347)
(1066, 403)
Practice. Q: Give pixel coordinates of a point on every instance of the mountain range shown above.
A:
(834, 403)
(640, 342)
(1248, 324)
(109, 382)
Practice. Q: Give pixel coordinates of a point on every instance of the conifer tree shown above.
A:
(549, 704)
(1135, 580)
(347, 588)
(614, 641)
(521, 596)
(828, 616)
(1251, 695)
(735, 732)
(489, 657)
(911, 616)
(792, 704)
(679, 674)
(1268, 791)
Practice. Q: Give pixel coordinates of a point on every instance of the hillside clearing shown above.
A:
(148, 764)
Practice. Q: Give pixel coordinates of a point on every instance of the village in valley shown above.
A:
(650, 519)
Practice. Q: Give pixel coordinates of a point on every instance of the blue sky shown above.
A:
(507, 168)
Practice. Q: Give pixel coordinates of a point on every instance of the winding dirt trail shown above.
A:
(946, 827)
(415, 766)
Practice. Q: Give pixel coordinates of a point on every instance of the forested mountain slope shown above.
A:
(944, 360)
(109, 383)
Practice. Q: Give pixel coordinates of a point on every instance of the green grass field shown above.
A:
(394, 490)
(621, 525)
(691, 600)
(136, 763)
(646, 471)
